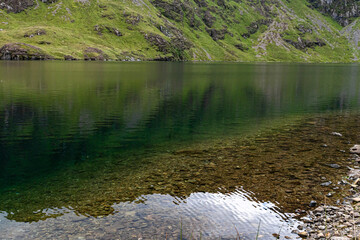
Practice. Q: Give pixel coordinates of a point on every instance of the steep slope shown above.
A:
(344, 12)
(247, 30)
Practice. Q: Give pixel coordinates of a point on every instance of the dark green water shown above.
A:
(72, 125)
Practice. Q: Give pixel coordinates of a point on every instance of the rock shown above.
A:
(15, 6)
(306, 220)
(329, 194)
(275, 235)
(158, 41)
(208, 19)
(241, 47)
(321, 227)
(336, 134)
(69, 58)
(320, 235)
(334, 165)
(217, 34)
(326, 184)
(303, 44)
(303, 234)
(312, 203)
(22, 51)
(38, 32)
(355, 149)
(319, 209)
(94, 54)
(356, 199)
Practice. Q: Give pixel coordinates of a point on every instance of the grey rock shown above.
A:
(355, 149)
(334, 165)
(326, 184)
(312, 203)
(336, 134)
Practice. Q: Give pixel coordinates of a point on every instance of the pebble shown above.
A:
(312, 203)
(355, 149)
(303, 234)
(336, 134)
(334, 165)
(326, 184)
(336, 222)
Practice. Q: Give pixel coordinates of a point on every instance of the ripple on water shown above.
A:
(210, 215)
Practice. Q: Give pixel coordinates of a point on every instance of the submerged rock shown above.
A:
(326, 184)
(334, 165)
(336, 134)
(355, 149)
(312, 203)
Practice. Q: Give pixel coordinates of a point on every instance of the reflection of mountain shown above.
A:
(79, 125)
(284, 167)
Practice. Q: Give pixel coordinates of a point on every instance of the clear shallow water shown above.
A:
(76, 140)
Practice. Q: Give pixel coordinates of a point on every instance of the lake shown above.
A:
(159, 150)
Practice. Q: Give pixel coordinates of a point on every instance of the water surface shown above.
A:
(163, 150)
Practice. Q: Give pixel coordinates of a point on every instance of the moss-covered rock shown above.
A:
(94, 54)
(22, 51)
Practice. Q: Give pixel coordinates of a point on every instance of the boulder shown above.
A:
(22, 51)
(94, 54)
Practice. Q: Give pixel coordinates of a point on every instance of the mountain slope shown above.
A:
(248, 30)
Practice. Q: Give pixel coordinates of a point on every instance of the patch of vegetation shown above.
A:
(176, 30)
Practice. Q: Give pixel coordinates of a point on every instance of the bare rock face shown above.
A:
(15, 6)
(341, 11)
(355, 149)
(22, 51)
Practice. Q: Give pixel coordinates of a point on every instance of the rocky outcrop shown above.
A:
(94, 54)
(341, 11)
(69, 58)
(22, 51)
(38, 32)
(177, 46)
(254, 27)
(157, 41)
(100, 29)
(302, 44)
(217, 34)
(16, 6)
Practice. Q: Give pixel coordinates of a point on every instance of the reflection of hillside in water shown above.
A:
(284, 167)
(64, 133)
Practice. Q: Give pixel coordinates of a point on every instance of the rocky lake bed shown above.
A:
(342, 220)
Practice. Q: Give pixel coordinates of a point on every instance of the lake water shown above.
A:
(92, 150)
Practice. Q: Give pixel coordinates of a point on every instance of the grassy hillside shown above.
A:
(217, 30)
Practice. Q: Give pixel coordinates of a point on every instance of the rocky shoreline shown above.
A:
(340, 221)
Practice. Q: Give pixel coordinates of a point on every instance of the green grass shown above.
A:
(70, 29)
